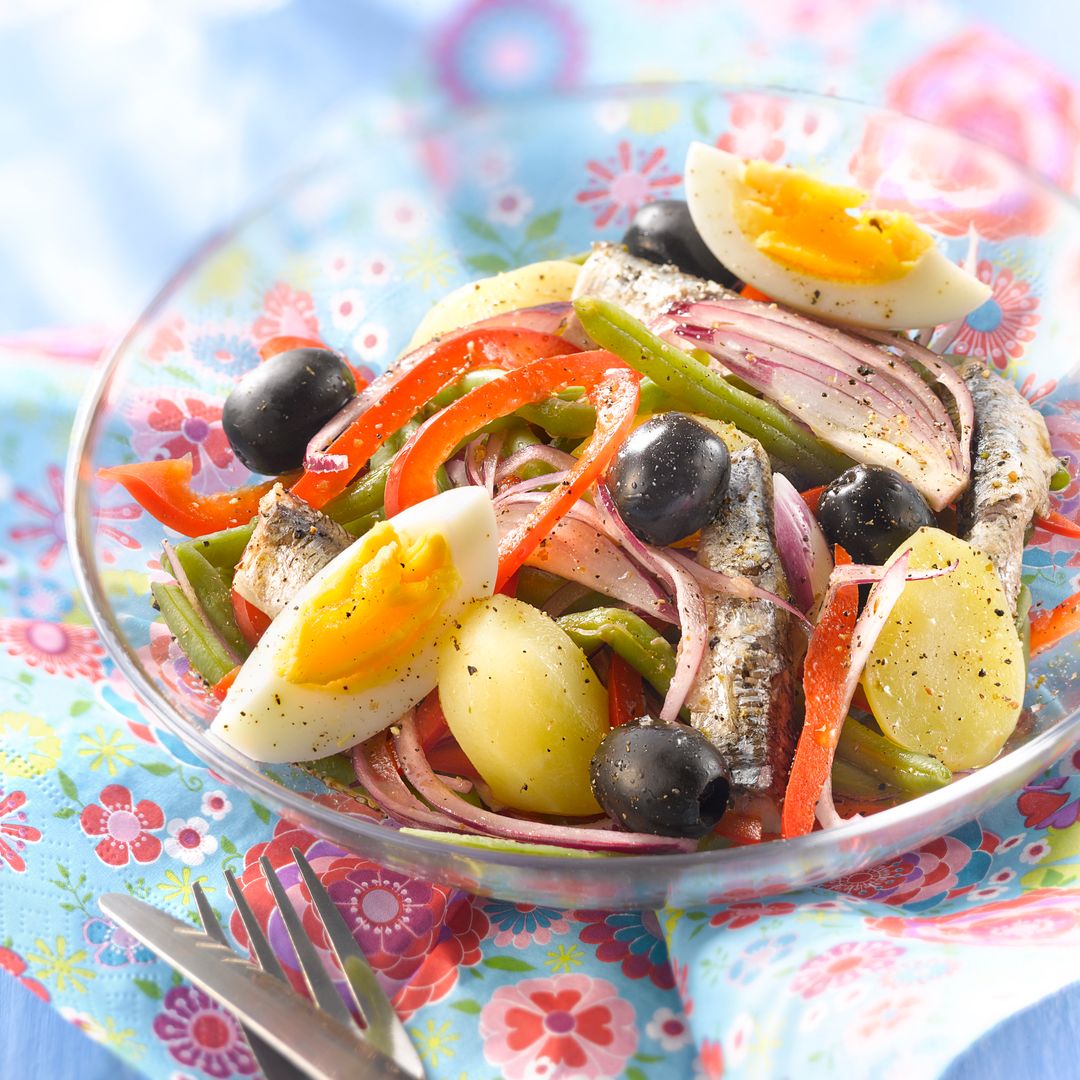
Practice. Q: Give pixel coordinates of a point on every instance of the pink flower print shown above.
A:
(999, 329)
(578, 1024)
(287, 312)
(215, 805)
(510, 206)
(521, 925)
(755, 128)
(167, 340)
(736, 916)
(620, 184)
(1033, 121)
(347, 309)
(15, 834)
(124, 826)
(201, 1035)
(376, 270)
(878, 882)
(190, 840)
(55, 648)
(843, 964)
(15, 965)
(669, 1029)
(886, 1015)
(710, 1059)
(402, 214)
(370, 342)
(631, 939)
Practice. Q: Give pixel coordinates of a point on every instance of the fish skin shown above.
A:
(1012, 464)
(290, 544)
(642, 288)
(743, 698)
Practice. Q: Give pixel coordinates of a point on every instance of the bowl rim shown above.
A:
(913, 816)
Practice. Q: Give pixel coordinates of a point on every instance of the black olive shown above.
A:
(662, 779)
(669, 478)
(664, 232)
(275, 409)
(871, 511)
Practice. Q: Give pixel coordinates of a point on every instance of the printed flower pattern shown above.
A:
(112, 945)
(631, 939)
(15, 834)
(669, 1029)
(843, 964)
(190, 840)
(1001, 328)
(215, 805)
(28, 745)
(200, 1034)
(754, 128)
(578, 1024)
(522, 924)
(287, 312)
(618, 185)
(736, 916)
(15, 965)
(55, 648)
(126, 827)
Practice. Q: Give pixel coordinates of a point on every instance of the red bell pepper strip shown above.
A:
(612, 388)
(431, 723)
(252, 621)
(812, 496)
(1049, 627)
(741, 829)
(626, 692)
(1059, 524)
(502, 347)
(163, 489)
(221, 687)
(750, 293)
(824, 671)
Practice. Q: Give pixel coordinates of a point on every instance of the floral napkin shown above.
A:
(861, 976)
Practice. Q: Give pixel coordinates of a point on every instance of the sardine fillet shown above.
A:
(642, 288)
(1012, 464)
(743, 697)
(290, 544)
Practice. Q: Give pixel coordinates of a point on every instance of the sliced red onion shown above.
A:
(473, 456)
(801, 545)
(559, 460)
(417, 770)
(489, 466)
(866, 574)
(868, 627)
(563, 597)
(524, 486)
(866, 402)
(192, 598)
(456, 783)
(318, 461)
(455, 469)
(578, 552)
(378, 775)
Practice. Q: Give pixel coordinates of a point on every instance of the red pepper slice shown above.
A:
(431, 723)
(626, 692)
(812, 496)
(1049, 627)
(612, 388)
(497, 347)
(252, 621)
(827, 658)
(741, 829)
(221, 687)
(163, 489)
(1058, 524)
(750, 293)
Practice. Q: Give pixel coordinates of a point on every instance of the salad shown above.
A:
(698, 539)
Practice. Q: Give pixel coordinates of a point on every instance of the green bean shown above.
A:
(222, 550)
(705, 390)
(908, 772)
(215, 597)
(627, 634)
(1061, 479)
(854, 783)
(200, 644)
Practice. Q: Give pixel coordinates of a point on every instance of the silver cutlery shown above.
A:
(319, 1038)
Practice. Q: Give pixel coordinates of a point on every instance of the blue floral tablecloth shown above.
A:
(863, 976)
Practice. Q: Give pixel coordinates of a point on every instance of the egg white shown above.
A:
(270, 719)
(933, 292)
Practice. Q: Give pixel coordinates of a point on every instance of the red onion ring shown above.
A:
(559, 460)
(801, 545)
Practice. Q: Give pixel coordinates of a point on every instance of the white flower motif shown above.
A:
(813, 1015)
(990, 893)
(84, 1022)
(339, 266)
(1002, 876)
(509, 206)
(190, 841)
(370, 341)
(1035, 852)
(1012, 841)
(669, 1029)
(540, 1069)
(215, 804)
(347, 309)
(376, 270)
(493, 166)
(612, 115)
(401, 214)
(737, 1043)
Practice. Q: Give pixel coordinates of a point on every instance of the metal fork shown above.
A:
(381, 1028)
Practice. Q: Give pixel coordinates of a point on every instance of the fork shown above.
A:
(382, 1030)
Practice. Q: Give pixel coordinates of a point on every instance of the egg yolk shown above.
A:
(368, 621)
(809, 226)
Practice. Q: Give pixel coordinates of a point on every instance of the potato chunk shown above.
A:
(946, 676)
(525, 705)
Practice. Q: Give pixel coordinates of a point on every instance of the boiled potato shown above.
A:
(526, 707)
(946, 676)
(527, 286)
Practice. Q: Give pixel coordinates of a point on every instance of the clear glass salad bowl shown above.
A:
(358, 249)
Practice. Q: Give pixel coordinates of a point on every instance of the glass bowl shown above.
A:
(357, 249)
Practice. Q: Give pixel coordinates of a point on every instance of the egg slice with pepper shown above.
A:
(807, 244)
(356, 647)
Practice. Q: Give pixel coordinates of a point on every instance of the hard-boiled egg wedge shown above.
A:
(356, 647)
(805, 243)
